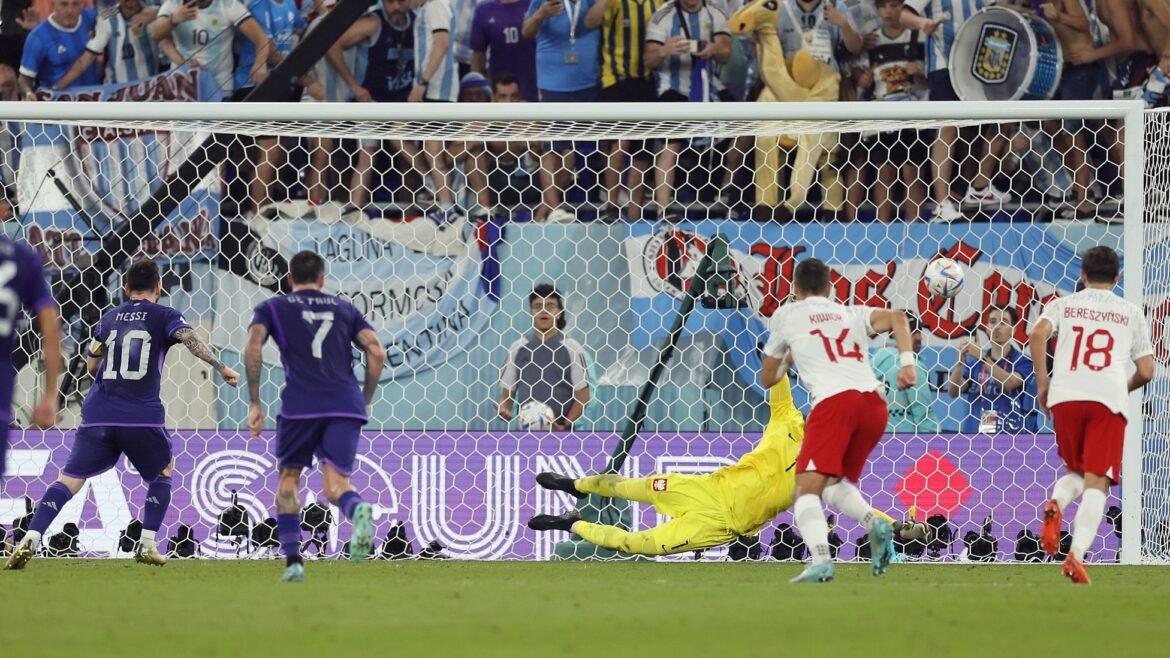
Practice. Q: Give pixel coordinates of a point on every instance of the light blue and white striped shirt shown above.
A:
(435, 16)
(801, 29)
(130, 53)
(674, 73)
(281, 21)
(464, 12)
(938, 45)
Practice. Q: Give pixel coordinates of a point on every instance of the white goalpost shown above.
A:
(438, 220)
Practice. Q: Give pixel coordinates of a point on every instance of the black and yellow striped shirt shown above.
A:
(623, 36)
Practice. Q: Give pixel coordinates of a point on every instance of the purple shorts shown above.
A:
(96, 449)
(331, 440)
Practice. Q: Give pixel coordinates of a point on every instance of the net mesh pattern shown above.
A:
(439, 232)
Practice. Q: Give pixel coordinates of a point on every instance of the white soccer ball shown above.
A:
(943, 277)
(535, 416)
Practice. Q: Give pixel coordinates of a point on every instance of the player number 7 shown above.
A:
(326, 320)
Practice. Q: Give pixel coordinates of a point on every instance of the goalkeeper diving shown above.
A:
(707, 510)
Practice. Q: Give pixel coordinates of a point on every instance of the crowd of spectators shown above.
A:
(611, 51)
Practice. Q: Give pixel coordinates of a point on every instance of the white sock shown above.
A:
(32, 537)
(1087, 521)
(845, 497)
(1067, 489)
(147, 540)
(810, 520)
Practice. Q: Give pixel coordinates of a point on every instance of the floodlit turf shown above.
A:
(118, 608)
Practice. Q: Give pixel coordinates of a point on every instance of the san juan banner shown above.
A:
(76, 184)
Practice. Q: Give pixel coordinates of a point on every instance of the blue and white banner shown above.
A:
(1019, 265)
(428, 291)
(76, 184)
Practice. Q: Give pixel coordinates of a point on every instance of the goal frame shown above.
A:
(193, 117)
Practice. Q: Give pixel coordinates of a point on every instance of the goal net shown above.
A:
(445, 224)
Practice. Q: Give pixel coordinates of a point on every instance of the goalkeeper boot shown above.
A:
(23, 552)
(1074, 570)
(816, 573)
(881, 545)
(1050, 530)
(542, 522)
(293, 573)
(558, 482)
(148, 554)
(361, 542)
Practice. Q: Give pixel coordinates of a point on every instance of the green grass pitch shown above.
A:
(603, 610)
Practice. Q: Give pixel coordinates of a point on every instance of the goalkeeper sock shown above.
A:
(158, 499)
(1087, 521)
(50, 506)
(1067, 489)
(147, 540)
(348, 502)
(845, 498)
(288, 529)
(810, 520)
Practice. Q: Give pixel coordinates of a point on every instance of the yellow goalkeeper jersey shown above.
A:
(762, 483)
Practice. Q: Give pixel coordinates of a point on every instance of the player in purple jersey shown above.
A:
(123, 413)
(322, 408)
(23, 285)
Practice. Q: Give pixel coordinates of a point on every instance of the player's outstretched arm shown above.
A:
(45, 413)
(1038, 347)
(253, 361)
(187, 336)
(894, 321)
(369, 342)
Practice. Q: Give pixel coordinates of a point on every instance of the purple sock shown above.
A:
(158, 499)
(50, 506)
(288, 529)
(348, 502)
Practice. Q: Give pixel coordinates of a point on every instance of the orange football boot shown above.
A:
(1074, 570)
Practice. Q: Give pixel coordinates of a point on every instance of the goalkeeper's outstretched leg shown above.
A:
(673, 494)
(691, 532)
(700, 514)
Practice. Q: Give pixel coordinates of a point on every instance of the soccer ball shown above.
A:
(535, 416)
(943, 277)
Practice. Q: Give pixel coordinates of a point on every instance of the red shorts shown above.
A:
(1089, 437)
(841, 432)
